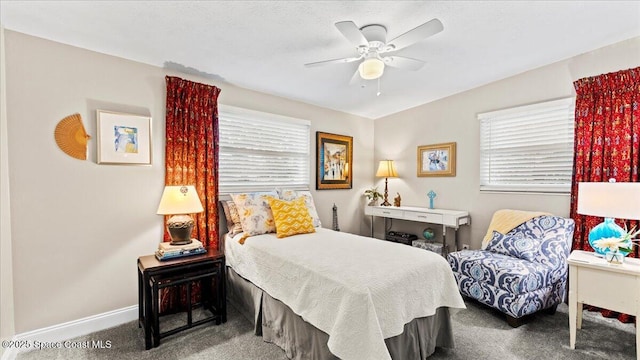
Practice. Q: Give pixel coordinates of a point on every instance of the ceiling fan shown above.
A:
(371, 43)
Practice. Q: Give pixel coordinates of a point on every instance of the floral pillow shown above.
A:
(233, 218)
(517, 246)
(255, 213)
(290, 195)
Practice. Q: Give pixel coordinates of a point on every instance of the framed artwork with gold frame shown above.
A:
(437, 160)
(334, 161)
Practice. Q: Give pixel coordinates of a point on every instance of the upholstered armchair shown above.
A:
(521, 271)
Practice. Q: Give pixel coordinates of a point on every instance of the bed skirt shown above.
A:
(278, 324)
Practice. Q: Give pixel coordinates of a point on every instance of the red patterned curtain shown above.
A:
(192, 159)
(192, 149)
(607, 145)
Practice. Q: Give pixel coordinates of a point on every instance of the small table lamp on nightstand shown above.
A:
(180, 201)
(386, 169)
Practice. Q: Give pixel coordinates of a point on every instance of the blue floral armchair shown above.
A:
(520, 272)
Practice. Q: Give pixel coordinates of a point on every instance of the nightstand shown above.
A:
(595, 282)
(153, 275)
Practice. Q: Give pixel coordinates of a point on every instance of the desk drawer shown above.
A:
(423, 217)
(607, 289)
(387, 212)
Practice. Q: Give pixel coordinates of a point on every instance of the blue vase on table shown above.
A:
(428, 234)
(607, 229)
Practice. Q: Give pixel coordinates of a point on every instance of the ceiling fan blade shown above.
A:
(355, 79)
(404, 63)
(412, 36)
(352, 33)
(334, 61)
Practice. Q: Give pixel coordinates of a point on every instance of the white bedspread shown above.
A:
(358, 290)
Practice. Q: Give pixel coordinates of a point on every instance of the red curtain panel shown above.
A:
(192, 149)
(607, 144)
(192, 159)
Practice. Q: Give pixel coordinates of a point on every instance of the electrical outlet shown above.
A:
(465, 246)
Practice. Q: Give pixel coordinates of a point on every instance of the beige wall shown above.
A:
(6, 273)
(78, 227)
(454, 119)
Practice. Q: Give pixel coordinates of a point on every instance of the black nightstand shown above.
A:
(153, 275)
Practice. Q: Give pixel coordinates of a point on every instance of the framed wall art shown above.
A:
(123, 139)
(437, 160)
(334, 161)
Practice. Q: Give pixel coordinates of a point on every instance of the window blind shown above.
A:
(261, 151)
(528, 148)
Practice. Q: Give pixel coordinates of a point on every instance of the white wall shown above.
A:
(6, 273)
(454, 119)
(79, 227)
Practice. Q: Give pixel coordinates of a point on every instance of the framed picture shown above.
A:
(437, 160)
(334, 158)
(123, 139)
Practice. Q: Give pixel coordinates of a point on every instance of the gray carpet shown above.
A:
(480, 333)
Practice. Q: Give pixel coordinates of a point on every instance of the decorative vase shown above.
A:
(428, 234)
(373, 202)
(606, 229)
(614, 257)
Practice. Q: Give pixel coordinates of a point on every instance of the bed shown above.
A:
(329, 294)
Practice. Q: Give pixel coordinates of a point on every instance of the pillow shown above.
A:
(289, 195)
(233, 218)
(291, 217)
(255, 213)
(516, 246)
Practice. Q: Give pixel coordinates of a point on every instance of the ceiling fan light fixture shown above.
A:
(371, 68)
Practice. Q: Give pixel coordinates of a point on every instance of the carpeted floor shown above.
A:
(480, 333)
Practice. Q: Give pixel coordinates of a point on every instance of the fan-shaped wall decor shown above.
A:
(71, 137)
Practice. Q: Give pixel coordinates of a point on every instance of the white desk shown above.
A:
(447, 218)
(593, 281)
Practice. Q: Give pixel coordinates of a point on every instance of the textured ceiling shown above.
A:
(262, 45)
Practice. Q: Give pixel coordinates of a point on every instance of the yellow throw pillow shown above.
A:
(291, 217)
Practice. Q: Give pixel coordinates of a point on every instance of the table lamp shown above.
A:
(180, 201)
(609, 200)
(386, 169)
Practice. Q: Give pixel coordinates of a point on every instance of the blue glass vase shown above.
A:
(607, 229)
(428, 234)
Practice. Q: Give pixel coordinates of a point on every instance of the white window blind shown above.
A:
(261, 151)
(528, 148)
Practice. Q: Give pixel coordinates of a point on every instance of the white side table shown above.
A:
(593, 281)
(447, 218)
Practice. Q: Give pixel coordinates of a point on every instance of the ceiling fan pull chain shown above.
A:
(378, 93)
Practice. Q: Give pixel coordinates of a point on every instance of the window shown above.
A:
(261, 151)
(528, 148)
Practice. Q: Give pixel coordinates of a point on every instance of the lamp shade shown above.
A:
(386, 169)
(609, 199)
(371, 68)
(179, 200)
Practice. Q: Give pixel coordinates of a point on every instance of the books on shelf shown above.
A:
(167, 251)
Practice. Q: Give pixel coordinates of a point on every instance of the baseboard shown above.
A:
(73, 329)
(9, 354)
